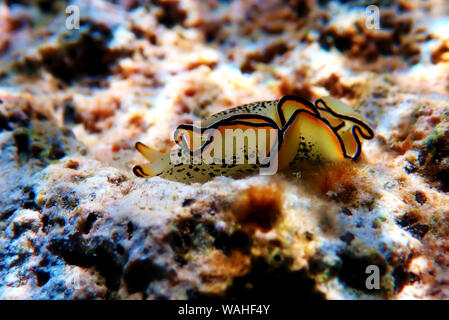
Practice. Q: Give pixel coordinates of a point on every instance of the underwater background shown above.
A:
(82, 81)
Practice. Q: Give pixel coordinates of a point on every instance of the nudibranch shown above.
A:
(285, 132)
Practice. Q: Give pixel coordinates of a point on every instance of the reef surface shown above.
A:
(75, 223)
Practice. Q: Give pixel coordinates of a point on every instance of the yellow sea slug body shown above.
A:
(245, 139)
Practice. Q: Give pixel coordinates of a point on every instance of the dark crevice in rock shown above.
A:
(353, 270)
(98, 253)
(407, 220)
(187, 202)
(42, 277)
(183, 238)
(70, 114)
(6, 213)
(173, 14)
(109, 264)
(130, 228)
(402, 278)
(418, 230)
(443, 177)
(140, 273)
(50, 6)
(410, 223)
(19, 228)
(74, 251)
(238, 240)
(45, 6)
(346, 211)
(22, 143)
(263, 56)
(120, 250)
(420, 197)
(433, 160)
(86, 226)
(4, 125)
(196, 234)
(47, 223)
(300, 8)
(347, 237)
(269, 281)
(56, 151)
(28, 199)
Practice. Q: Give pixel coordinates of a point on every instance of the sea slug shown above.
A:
(266, 136)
